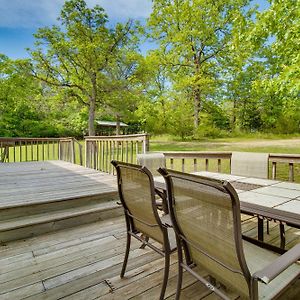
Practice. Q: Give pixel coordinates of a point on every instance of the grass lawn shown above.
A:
(289, 144)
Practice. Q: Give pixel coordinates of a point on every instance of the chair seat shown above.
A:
(257, 258)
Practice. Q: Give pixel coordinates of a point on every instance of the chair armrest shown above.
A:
(271, 271)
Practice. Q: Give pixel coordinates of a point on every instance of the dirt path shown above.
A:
(265, 143)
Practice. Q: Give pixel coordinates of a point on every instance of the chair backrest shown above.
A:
(136, 191)
(250, 164)
(153, 161)
(206, 216)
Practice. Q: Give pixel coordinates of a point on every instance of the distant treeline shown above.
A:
(219, 67)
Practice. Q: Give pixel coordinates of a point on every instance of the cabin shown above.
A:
(109, 127)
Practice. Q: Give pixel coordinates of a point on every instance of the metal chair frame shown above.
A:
(265, 275)
(132, 231)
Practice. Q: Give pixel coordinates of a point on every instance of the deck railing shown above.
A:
(39, 149)
(281, 166)
(100, 150)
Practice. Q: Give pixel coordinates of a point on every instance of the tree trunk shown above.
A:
(92, 117)
(118, 128)
(92, 107)
(197, 108)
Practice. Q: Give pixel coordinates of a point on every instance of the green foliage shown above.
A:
(194, 37)
(86, 57)
(181, 123)
(220, 68)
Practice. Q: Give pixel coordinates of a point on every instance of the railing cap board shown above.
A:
(10, 139)
(198, 154)
(287, 158)
(136, 137)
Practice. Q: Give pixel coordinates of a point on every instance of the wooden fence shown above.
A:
(39, 149)
(101, 150)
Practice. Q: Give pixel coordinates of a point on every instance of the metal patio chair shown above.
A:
(137, 195)
(154, 161)
(206, 218)
(250, 164)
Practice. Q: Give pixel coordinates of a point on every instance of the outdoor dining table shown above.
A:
(264, 198)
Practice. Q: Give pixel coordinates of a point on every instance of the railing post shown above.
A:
(86, 153)
(219, 165)
(195, 164)
(274, 170)
(291, 172)
(72, 150)
(146, 143)
(59, 150)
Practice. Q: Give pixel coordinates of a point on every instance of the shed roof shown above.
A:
(110, 124)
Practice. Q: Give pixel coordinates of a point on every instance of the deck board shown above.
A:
(50, 181)
(85, 262)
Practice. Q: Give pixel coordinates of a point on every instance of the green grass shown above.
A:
(246, 143)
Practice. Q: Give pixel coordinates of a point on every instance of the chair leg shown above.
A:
(166, 275)
(179, 281)
(180, 269)
(126, 255)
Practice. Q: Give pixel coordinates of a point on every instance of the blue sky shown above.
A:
(19, 19)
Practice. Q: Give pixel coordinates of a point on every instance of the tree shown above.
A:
(127, 78)
(19, 99)
(275, 40)
(76, 55)
(193, 35)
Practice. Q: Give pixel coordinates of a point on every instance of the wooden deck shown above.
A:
(84, 263)
(50, 181)
(69, 259)
(38, 197)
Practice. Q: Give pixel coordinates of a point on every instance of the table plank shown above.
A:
(265, 200)
(276, 191)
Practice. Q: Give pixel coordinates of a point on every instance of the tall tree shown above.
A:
(19, 100)
(75, 55)
(193, 35)
(127, 78)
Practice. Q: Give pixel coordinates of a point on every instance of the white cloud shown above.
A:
(124, 9)
(29, 13)
(38, 13)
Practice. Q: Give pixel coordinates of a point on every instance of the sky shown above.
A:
(20, 19)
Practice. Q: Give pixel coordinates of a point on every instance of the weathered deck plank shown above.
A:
(42, 182)
(85, 262)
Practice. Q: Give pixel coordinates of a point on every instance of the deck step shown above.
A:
(30, 225)
(40, 197)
